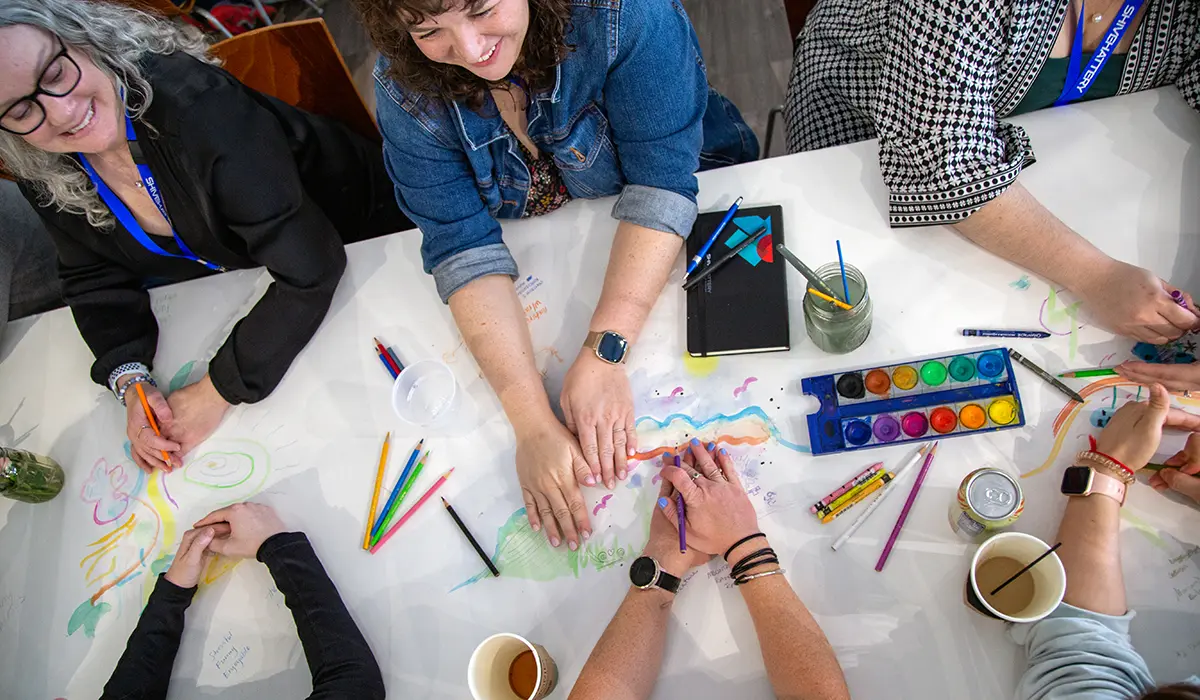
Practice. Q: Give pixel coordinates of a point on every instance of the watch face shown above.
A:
(612, 347)
(1076, 480)
(643, 571)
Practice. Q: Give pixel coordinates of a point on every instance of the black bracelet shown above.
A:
(749, 561)
(746, 566)
(742, 578)
(741, 542)
(764, 550)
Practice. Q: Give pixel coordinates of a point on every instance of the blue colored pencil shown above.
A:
(386, 365)
(699, 257)
(983, 333)
(842, 263)
(412, 459)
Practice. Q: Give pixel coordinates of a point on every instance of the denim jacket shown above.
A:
(630, 113)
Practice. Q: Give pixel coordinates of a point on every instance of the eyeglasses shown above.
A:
(60, 77)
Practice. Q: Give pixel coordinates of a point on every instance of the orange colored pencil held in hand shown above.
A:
(153, 423)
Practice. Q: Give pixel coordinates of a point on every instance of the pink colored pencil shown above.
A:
(912, 497)
(846, 487)
(404, 518)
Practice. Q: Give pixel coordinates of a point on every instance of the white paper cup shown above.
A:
(487, 672)
(1049, 577)
(426, 394)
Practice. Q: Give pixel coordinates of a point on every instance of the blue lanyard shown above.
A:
(1079, 82)
(126, 217)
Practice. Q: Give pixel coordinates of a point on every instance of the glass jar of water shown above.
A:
(27, 477)
(831, 327)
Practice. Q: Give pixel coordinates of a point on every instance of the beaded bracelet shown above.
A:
(1109, 464)
(140, 379)
(746, 579)
(741, 542)
(123, 370)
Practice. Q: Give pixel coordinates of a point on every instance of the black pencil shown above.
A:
(752, 238)
(470, 538)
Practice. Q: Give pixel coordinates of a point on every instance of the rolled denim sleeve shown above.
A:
(656, 54)
(435, 186)
(1082, 655)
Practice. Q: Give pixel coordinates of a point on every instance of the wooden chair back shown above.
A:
(298, 62)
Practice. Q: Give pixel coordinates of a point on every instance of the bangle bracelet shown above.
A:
(746, 579)
(1116, 468)
(741, 542)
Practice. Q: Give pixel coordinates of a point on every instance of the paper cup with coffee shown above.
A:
(510, 667)
(1032, 596)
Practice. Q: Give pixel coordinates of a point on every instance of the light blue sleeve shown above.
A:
(1081, 655)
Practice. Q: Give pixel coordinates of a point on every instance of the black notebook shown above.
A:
(743, 306)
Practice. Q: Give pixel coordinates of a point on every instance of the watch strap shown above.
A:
(667, 582)
(1106, 484)
(592, 340)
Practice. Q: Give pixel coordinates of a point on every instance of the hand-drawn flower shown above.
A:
(111, 489)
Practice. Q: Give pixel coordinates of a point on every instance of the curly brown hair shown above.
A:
(388, 22)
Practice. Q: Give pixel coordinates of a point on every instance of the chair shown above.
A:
(299, 63)
(797, 12)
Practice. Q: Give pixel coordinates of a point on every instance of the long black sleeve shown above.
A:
(341, 662)
(144, 670)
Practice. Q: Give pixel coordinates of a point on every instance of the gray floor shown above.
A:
(745, 43)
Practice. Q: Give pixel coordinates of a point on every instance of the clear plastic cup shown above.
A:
(426, 394)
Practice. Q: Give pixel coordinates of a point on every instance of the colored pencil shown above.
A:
(842, 264)
(412, 458)
(831, 300)
(1178, 297)
(1152, 467)
(718, 264)
(912, 497)
(394, 357)
(846, 486)
(1028, 566)
(982, 333)
(391, 513)
(871, 488)
(841, 540)
(813, 280)
(699, 256)
(1066, 390)
(383, 454)
(386, 365)
(395, 366)
(1082, 373)
(682, 513)
(858, 488)
(404, 518)
(470, 538)
(150, 419)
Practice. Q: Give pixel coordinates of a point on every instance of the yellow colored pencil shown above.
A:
(375, 495)
(829, 299)
(845, 497)
(874, 486)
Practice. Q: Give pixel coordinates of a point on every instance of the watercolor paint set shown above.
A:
(934, 397)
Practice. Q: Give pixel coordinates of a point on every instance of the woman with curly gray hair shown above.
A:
(149, 163)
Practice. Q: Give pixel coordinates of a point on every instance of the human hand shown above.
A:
(198, 410)
(1133, 433)
(145, 447)
(193, 555)
(246, 527)
(549, 463)
(1173, 377)
(719, 512)
(663, 544)
(598, 406)
(1133, 302)
(1184, 477)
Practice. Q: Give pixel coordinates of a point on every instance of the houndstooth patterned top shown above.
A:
(933, 80)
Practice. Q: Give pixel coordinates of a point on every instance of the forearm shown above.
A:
(638, 267)
(493, 325)
(626, 661)
(144, 670)
(1019, 229)
(1091, 554)
(800, 662)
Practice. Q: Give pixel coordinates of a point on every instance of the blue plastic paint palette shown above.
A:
(914, 401)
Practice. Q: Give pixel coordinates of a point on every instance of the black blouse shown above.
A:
(248, 181)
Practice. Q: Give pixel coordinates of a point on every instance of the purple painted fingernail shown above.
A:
(663, 503)
(724, 452)
(711, 445)
(677, 460)
(696, 441)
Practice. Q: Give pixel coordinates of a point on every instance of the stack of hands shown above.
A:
(1133, 435)
(186, 419)
(237, 531)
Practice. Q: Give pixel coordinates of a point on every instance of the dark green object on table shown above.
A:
(27, 477)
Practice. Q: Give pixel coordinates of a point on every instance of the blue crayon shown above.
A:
(980, 333)
(699, 257)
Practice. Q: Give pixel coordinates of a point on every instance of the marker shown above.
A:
(750, 240)
(1083, 373)
(1178, 297)
(981, 333)
(699, 257)
(1046, 376)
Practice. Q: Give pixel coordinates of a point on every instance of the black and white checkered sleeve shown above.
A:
(942, 149)
(1188, 83)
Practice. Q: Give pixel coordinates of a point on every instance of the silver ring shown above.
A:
(695, 476)
(139, 432)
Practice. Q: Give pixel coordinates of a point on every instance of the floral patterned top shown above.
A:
(546, 189)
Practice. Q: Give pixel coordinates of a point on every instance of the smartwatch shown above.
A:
(1085, 481)
(609, 346)
(645, 573)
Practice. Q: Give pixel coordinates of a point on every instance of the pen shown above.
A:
(703, 274)
(816, 282)
(699, 257)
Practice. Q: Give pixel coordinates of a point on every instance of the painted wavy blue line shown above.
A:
(755, 411)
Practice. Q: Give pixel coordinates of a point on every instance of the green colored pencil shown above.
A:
(416, 472)
(1098, 372)
(1155, 467)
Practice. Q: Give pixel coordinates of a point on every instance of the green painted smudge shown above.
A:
(87, 616)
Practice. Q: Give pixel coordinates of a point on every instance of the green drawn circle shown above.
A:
(933, 373)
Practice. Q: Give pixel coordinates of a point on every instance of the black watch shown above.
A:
(645, 573)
